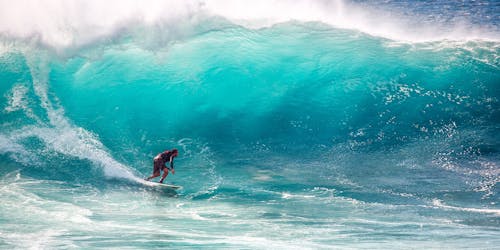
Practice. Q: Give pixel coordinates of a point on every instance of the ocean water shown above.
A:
(300, 124)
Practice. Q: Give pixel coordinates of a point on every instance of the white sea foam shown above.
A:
(20, 204)
(17, 99)
(60, 23)
(439, 203)
(76, 142)
(8, 146)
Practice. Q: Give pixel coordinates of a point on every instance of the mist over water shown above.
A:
(316, 125)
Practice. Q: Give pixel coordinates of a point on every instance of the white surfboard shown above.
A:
(162, 185)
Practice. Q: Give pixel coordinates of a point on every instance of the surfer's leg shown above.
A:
(153, 176)
(165, 173)
(156, 171)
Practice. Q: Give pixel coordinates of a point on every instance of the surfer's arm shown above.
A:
(172, 165)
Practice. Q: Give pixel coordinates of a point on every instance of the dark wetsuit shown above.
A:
(160, 160)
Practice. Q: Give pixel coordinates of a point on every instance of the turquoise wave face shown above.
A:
(287, 83)
(278, 116)
(301, 90)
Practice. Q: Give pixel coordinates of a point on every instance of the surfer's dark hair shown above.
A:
(175, 150)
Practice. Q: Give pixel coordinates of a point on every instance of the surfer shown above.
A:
(159, 164)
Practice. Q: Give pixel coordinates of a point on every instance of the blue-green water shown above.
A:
(300, 134)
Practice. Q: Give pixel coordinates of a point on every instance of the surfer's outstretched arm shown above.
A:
(172, 165)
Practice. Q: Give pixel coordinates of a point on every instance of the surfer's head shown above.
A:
(175, 152)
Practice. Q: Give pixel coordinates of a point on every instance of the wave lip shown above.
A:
(59, 23)
(62, 24)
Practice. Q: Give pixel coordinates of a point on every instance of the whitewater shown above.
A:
(324, 124)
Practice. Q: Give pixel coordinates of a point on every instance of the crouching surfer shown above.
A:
(159, 164)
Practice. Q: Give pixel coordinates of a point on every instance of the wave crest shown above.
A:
(63, 24)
